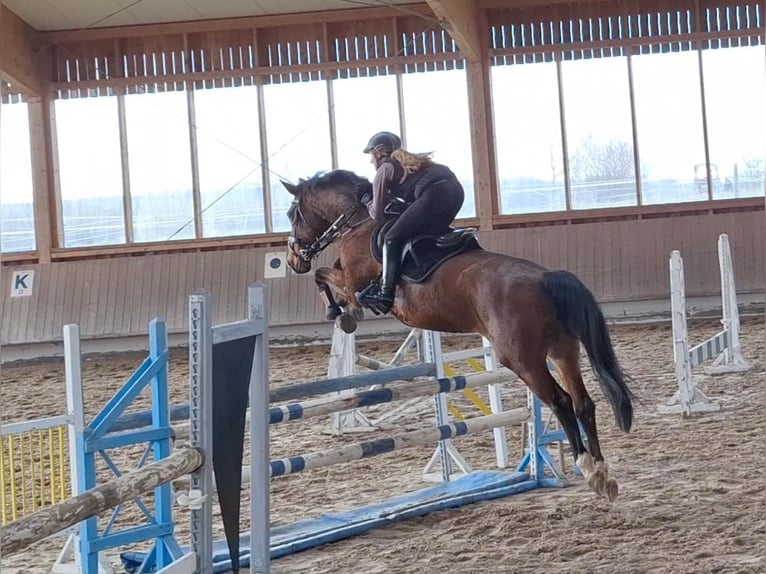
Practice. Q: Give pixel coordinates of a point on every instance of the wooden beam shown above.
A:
(504, 4)
(225, 24)
(16, 54)
(44, 207)
(255, 71)
(461, 19)
(659, 210)
(482, 137)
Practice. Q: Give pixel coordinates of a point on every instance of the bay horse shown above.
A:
(527, 312)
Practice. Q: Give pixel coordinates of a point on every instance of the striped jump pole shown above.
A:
(359, 399)
(324, 386)
(294, 392)
(367, 449)
(327, 405)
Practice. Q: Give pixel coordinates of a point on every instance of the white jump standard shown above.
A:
(724, 346)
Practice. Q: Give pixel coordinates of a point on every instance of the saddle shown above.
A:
(423, 254)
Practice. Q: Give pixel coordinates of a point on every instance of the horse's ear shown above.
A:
(293, 189)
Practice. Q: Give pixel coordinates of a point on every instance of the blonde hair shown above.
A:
(411, 162)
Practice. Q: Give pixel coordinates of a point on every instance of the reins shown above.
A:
(340, 227)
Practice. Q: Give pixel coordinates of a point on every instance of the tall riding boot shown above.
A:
(381, 300)
(392, 258)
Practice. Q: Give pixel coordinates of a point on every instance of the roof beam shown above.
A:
(16, 55)
(461, 19)
(240, 23)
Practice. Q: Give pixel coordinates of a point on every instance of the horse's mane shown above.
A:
(346, 183)
(343, 181)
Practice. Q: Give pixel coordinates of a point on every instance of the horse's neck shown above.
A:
(330, 211)
(363, 231)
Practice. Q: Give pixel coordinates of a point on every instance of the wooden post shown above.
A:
(21, 533)
(482, 133)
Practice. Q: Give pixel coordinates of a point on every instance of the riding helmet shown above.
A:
(383, 141)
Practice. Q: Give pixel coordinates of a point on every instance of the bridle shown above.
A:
(340, 227)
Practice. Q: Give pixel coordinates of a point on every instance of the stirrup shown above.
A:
(373, 298)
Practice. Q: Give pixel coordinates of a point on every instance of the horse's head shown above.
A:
(318, 203)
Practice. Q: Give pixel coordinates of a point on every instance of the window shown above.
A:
(599, 132)
(363, 107)
(229, 155)
(436, 120)
(671, 141)
(17, 220)
(298, 136)
(735, 90)
(530, 160)
(90, 171)
(160, 166)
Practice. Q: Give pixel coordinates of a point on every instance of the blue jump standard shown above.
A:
(289, 539)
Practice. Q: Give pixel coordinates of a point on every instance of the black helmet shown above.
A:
(383, 141)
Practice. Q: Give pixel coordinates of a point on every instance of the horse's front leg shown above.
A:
(333, 280)
(326, 294)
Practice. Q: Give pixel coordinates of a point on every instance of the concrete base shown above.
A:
(375, 328)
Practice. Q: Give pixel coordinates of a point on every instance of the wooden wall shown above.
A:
(620, 261)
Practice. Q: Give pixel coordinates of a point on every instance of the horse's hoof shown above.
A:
(598, 482)
(333, 312)
(356, 312)
(346, 322)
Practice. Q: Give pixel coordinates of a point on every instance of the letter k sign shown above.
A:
(21, 283)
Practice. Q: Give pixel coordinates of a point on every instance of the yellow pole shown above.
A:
(42, 468)
(12, 466)
(24, 472)
(3, 512)
(53, 466)
(62, 491)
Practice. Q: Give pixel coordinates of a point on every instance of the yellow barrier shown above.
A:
(470, 393)
(34, 471)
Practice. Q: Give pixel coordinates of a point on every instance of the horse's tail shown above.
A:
(579, 313)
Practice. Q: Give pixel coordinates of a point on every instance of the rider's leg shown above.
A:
(380, 298)
(392, 258)
(434, 208)
(415, 219)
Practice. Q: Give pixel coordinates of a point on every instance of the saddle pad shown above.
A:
(423, 254)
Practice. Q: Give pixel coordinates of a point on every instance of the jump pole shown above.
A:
(355, 421)
(345, 345)
(360, 399)
(391, 393)
(375, 447)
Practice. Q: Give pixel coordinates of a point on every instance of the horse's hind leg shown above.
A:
(565, 354)
(534, 372)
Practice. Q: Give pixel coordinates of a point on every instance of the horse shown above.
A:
(530, 314)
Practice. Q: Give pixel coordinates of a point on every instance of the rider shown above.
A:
(431, 195)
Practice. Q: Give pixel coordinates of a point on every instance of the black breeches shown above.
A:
(431, 213)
